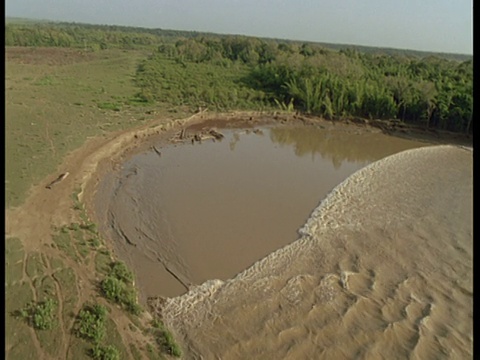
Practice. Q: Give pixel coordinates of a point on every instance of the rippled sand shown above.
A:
(383, 270)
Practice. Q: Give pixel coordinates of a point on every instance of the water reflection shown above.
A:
(336, 145)
(235, 139)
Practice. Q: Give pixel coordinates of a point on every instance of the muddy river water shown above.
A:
(197, 216)
(209, 210)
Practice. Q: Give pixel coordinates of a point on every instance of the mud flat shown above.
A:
(383, 269)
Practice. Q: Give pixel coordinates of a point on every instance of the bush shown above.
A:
(118, 287)
(95, 242)
(91, 323)
(108, 352)
(165, 339)
(74, 226)
(121, 272)
(113, 289)
(92, 227)
(41, 315)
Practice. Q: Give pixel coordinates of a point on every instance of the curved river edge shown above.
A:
(198, 309)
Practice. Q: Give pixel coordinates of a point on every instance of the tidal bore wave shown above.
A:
(383, 268)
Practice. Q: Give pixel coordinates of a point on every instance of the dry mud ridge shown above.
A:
(39, 265)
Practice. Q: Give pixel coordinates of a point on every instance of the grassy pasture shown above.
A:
(57, 98)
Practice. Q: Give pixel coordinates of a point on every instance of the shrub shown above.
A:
(74, 226)
(113, 288)
(91, 323)
(118, 287)
(92, 227)
(165, 339)
(41, 315)
(121, 272)
(108, 352)
(95, 242)
(119, 292)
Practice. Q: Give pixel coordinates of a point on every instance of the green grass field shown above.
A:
(56, 99)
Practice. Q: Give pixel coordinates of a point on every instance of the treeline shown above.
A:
(226, 71)
(431, 92)
(71, 35)
(91, 34)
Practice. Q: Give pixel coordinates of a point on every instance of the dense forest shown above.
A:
(239, 72)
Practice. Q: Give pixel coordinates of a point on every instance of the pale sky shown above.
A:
(426, 25)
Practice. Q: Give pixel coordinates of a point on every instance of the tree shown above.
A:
(401, 89)
(428, 92)
(307, 50)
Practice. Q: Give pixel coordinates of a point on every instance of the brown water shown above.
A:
(210, 210)
(382, 269)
